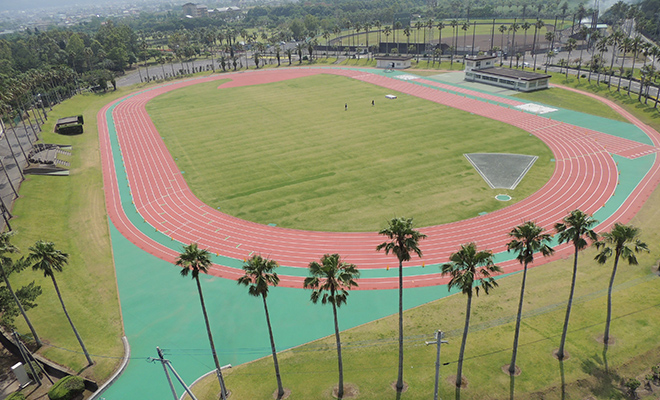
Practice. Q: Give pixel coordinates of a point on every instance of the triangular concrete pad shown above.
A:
(501, 171)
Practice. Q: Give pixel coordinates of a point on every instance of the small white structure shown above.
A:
(393, 62)
(21, 375)
(482, 69)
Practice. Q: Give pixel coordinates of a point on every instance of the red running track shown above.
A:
(585, 177)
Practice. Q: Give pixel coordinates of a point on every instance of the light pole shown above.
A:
(438, 341)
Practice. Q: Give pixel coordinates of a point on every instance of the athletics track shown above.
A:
(586, 177)
(152, 210)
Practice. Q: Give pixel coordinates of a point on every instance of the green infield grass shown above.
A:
(288, 153)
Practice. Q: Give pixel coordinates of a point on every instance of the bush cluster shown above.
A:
(67, 388)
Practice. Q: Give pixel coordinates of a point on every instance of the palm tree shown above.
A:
(45, 258)
(387, 31)
(441, 26)
(537, 25)
(577, 229)
(259, 276)
(570, 46)
(502, 29)
(367, 29)
(634, 47)
(467, 267)
(403, 240)
(331, 280)
(550, 37)
(622, 241)
(454, 31)
(377, 25)
(525, 27)
(625, 45)
(6, 266)
(195, 260)
(527, 239)
(513, 28)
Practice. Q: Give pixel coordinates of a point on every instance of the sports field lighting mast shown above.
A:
(438, 341)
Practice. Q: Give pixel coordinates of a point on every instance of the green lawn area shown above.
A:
(288, 153)
(572, 101)
(70, 211)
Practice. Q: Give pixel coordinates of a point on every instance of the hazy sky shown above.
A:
(28, 4)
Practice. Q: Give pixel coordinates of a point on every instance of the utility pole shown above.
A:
(438, 341)
(167, 363)
(167, 374)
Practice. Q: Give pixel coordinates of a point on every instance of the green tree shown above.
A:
(570, 46)
(8, 266)
(577, 229)
(403, 240)
(470, 270)
(45, 258)
(526, 239)
(331, 280)
(621, 241)
(259, 276)
(194, 260)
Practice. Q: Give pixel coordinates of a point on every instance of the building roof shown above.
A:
(512, 73)
(394, 58)
(480, 58)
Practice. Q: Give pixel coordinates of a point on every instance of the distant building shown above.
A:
(482, 69)
(393, 62)
(195, 10)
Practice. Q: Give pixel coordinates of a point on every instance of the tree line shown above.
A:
(470, 270)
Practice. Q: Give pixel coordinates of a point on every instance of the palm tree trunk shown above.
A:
(516, 335)
(20, 307)
(340, 391)
(223, 390)
(560, 352)
(399, 379)
(606, 336)
(622, 69)
(459, 370)
(75, 331)
(280, 389)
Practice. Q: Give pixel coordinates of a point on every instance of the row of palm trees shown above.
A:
(470, 270)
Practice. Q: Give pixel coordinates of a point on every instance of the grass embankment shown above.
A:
(370, 350)
(70, 211)
(288, 153)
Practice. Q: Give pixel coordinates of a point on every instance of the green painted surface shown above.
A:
(160, 308)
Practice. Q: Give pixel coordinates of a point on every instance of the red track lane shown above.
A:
(585, 177)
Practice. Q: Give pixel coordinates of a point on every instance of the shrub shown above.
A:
(632, 384)
(67, 388)
(15, 396)
(72, 129)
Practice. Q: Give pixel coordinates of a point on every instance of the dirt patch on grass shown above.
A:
(350, 391)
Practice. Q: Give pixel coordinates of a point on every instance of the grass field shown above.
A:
(70, 211)
(288, 153)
